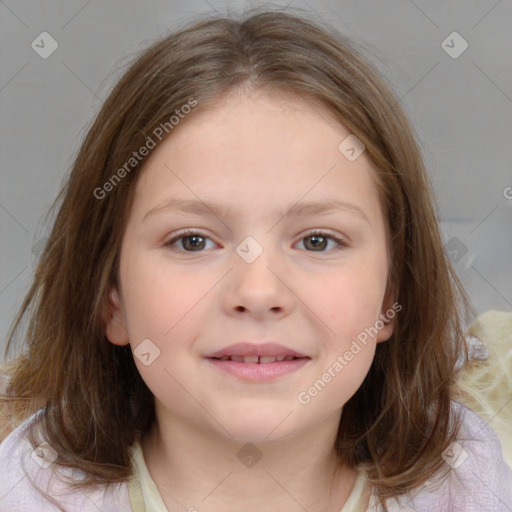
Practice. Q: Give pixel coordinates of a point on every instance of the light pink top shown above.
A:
(479, 479)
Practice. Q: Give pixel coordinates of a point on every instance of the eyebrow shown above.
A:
(207, 208)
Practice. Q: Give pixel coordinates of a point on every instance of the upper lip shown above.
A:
(256, 349)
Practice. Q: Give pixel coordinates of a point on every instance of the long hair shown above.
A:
(95, 403)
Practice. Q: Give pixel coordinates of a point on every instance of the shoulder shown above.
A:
(477, 477)
(31, 480)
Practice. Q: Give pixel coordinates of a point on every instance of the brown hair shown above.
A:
(399, 421)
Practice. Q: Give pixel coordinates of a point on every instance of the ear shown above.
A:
(115, 321)
(388, 313)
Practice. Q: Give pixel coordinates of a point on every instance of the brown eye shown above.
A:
(193, 242)
(189, 242)
(318, 242)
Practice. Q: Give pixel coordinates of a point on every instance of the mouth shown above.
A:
(254, 359)
(253, 368)
(257, 361)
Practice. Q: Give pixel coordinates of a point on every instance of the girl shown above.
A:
(244, 301)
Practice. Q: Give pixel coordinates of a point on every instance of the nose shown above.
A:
(260, 289)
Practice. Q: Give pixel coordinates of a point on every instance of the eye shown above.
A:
(318, 240)
(191, 241)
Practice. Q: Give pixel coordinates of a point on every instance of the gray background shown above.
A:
(461, 109)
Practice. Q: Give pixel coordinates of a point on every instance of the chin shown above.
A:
(256, 429)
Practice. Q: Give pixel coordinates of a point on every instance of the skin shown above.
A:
(257, 154)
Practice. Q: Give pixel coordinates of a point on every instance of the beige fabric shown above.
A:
(143, 491)
(486, 387)
(136, 496)
(356, 500)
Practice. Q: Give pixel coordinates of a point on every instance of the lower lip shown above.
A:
(259, 371)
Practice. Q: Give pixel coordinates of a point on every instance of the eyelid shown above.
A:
(184, 233)
(326, 233)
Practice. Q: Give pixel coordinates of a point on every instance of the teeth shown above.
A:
(256, 359)
(249, 359)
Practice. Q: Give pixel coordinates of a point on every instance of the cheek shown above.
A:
(348, 300)
(353, 374)
(160, 298)
(163, 309)
(166, 305)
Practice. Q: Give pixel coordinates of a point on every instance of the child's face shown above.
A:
(256, 157)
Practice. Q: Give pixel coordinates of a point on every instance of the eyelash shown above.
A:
(324, 234)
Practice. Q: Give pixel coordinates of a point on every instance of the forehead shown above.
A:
(256, 150)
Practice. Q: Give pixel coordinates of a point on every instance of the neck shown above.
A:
(199, 469)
